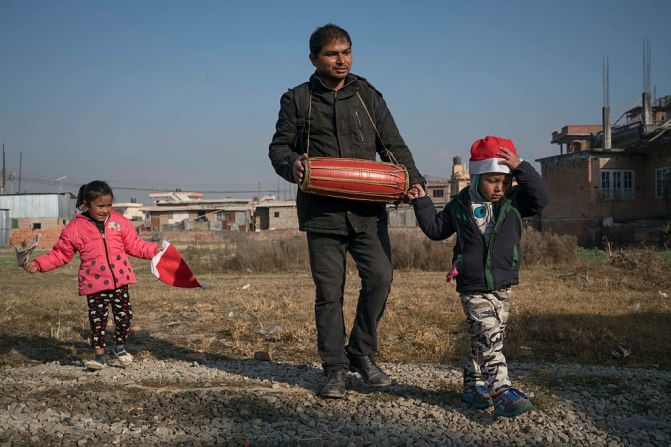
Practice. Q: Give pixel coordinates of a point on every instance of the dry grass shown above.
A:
(569, 312)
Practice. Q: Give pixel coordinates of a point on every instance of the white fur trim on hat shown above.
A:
(488, 165)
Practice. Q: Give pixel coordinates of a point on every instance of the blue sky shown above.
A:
(153, 94)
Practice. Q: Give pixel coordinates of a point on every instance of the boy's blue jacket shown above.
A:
(485, 267)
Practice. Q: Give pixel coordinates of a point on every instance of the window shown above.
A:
(438, 193)
(276, 214)
(617, 184)
(662, 182)
(37, 226)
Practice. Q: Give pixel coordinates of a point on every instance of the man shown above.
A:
(328, 116)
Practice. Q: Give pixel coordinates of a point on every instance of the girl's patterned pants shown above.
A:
(98, 313)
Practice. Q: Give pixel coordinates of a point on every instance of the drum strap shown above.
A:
(389, 154)
(305, 96)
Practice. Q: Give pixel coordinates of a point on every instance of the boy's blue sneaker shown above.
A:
(511, 402)
(478, 397)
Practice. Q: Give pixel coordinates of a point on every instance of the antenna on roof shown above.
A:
(605, 110)
(20, 169)
(646, 103)
(647, 62)
(59, 180)
(2, 180)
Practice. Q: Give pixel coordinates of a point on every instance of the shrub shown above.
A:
(411, 249)
(548, 248)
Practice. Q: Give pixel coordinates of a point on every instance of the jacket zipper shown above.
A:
(495, 232)
(360, 126)
(483, 242)
(335, 114)
(107, 257)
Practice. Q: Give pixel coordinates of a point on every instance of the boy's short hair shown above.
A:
(325, 34)
(484, 155)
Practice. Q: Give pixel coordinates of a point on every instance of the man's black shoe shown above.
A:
(369, 371)
(334, 385)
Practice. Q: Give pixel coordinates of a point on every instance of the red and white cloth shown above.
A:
(169, 266)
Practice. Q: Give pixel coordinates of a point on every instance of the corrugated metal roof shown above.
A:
(39, 205)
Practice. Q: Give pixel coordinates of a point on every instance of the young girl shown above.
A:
(102, 237)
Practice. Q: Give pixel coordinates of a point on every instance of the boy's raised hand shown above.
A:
(30, 267)
(509, 158)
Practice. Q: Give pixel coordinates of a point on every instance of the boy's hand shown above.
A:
(157, 250)
(30, 267)
(509, 158)
(415, 192)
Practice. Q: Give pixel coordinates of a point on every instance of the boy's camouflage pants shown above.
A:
(487, 317)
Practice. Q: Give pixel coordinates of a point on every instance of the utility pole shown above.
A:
(20, 163)
(59, 180)
(2, 180)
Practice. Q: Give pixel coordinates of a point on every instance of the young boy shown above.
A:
(487, 217)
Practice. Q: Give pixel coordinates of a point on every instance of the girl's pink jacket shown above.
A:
(104, 264)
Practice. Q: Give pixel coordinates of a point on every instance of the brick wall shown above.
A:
(48, 237)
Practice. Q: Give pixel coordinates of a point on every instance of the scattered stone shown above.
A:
(195, 356)
(263, 356)
(238, 402)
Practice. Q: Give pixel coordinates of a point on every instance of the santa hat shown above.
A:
(484, 155)
(169, 267)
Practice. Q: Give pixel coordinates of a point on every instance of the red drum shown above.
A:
(355, 179)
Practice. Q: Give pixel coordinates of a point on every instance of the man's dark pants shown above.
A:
(371, 251)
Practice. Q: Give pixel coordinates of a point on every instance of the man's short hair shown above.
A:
(326, 34)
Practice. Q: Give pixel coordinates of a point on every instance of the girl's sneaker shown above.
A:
(477, 397)
(125, 358)
(511, 402)
(96, 364)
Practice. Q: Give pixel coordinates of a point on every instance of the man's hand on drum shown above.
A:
(298, 168)
(415, 192)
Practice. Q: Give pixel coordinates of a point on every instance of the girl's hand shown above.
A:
(30, 267)
(509, 158)
(158, 250)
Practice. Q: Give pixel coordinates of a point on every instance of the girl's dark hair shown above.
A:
(92, 191)
(326, 34)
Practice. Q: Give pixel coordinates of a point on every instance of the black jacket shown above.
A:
(339, 127)
(485, 267)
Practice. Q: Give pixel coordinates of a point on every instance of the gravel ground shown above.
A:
(249, 402)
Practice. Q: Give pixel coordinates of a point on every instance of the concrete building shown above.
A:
(619, 177)
(439, 189)
(442, 190)
(189, 211)
(130, 210)
(276, 215)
